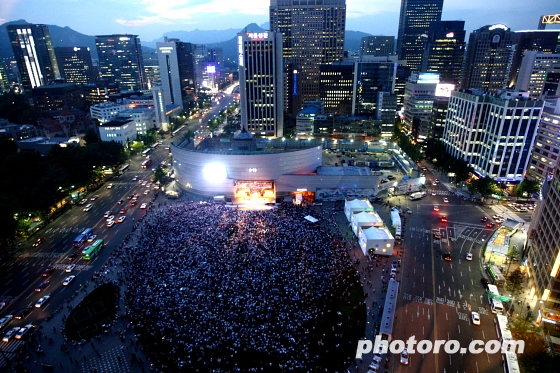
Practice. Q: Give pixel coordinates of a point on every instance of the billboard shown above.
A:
(210, 69)
(444, 90)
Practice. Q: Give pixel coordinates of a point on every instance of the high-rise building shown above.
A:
(419, 95)
(34, 53)
(488, 58)
(4, 84)
(493, 133)
(534, 71)
(378, 46)
(337, 87)
(545, 153)
(543, 256)
(313, 34)
(551, 86)
(261, 82)
(545, 41)
(178, 71)
(152, 72)
(120, 60)
(75, 64)
(445, 50)
(374, 88)
(414, 23)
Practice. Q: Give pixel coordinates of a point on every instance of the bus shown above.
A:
(386, 327)
(496, 275)
(511, 364)
(496, 305)
(146, 152)
(147, 163)
(124, 168)
(153, 147)
(91, 251)
(82, 237)
(502, 330)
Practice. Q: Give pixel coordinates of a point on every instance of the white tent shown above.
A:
(356, 205)
(379, 239)
(365, 219)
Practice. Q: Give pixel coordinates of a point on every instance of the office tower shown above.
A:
(4, 83)
(200, 56)
(177, 67)
(414, 23)
(437, 120)
(337, 87)
(56, 96)
(543, 258)
(534, 70)
(75, 64)
(531, 40)
(544, 156)
(313, 34)
(488, 59)
(401, 78)
(98, 92)
(378, 46)
(493, 133)
(120, 60)
(152, 72)
(445, 50)
(419, 95)
(160, 107)
(374, 88)
(261, 84)
(34, 53)
(551, 86)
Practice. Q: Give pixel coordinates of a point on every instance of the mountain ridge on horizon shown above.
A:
(68, 37)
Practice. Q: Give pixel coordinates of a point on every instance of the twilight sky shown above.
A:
(152, 18)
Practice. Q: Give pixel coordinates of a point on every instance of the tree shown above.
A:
(513, 253)
(159, 175)
(514, 283)
(484, 186)
(91, 137)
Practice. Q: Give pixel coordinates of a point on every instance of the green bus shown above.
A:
(91, 251)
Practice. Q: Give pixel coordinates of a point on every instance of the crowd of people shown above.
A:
(212, 287)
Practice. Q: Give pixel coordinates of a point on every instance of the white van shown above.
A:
(88, 207)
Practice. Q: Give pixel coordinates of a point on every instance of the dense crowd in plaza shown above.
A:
(213, 287)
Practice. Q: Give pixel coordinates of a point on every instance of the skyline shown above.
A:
(151, 19)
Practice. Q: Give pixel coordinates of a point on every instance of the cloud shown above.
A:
(143, 21)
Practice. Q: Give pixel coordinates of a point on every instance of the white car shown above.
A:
(42, 301)
(110, 186)
(475, 318)
(143, 206)
(68, 280)
(404, 356)
(146, 191)
(23, 331)
(121, 219)
(88, 207)
(469, 256)
(135, 178)
(9, 335)
(110, 223)
(445, 200)
(6, 320)
(373, 368)
(110, 217)
(144, 183)
(70, 267)
(91, 238)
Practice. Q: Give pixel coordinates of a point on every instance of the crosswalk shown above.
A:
(64, 230)
(9, 351)
(439, 192)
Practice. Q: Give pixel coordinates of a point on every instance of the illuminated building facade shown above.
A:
(313, 34)
(493, 133)
(546, 151)
(543, 248)
(534, 71)
(377, 46)
(414, 23)
(488, 58)
(75, 64)
(337, 87)
(261, 82)
(445, 50)
(177, 70)
(120, 60)
(34, 52)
